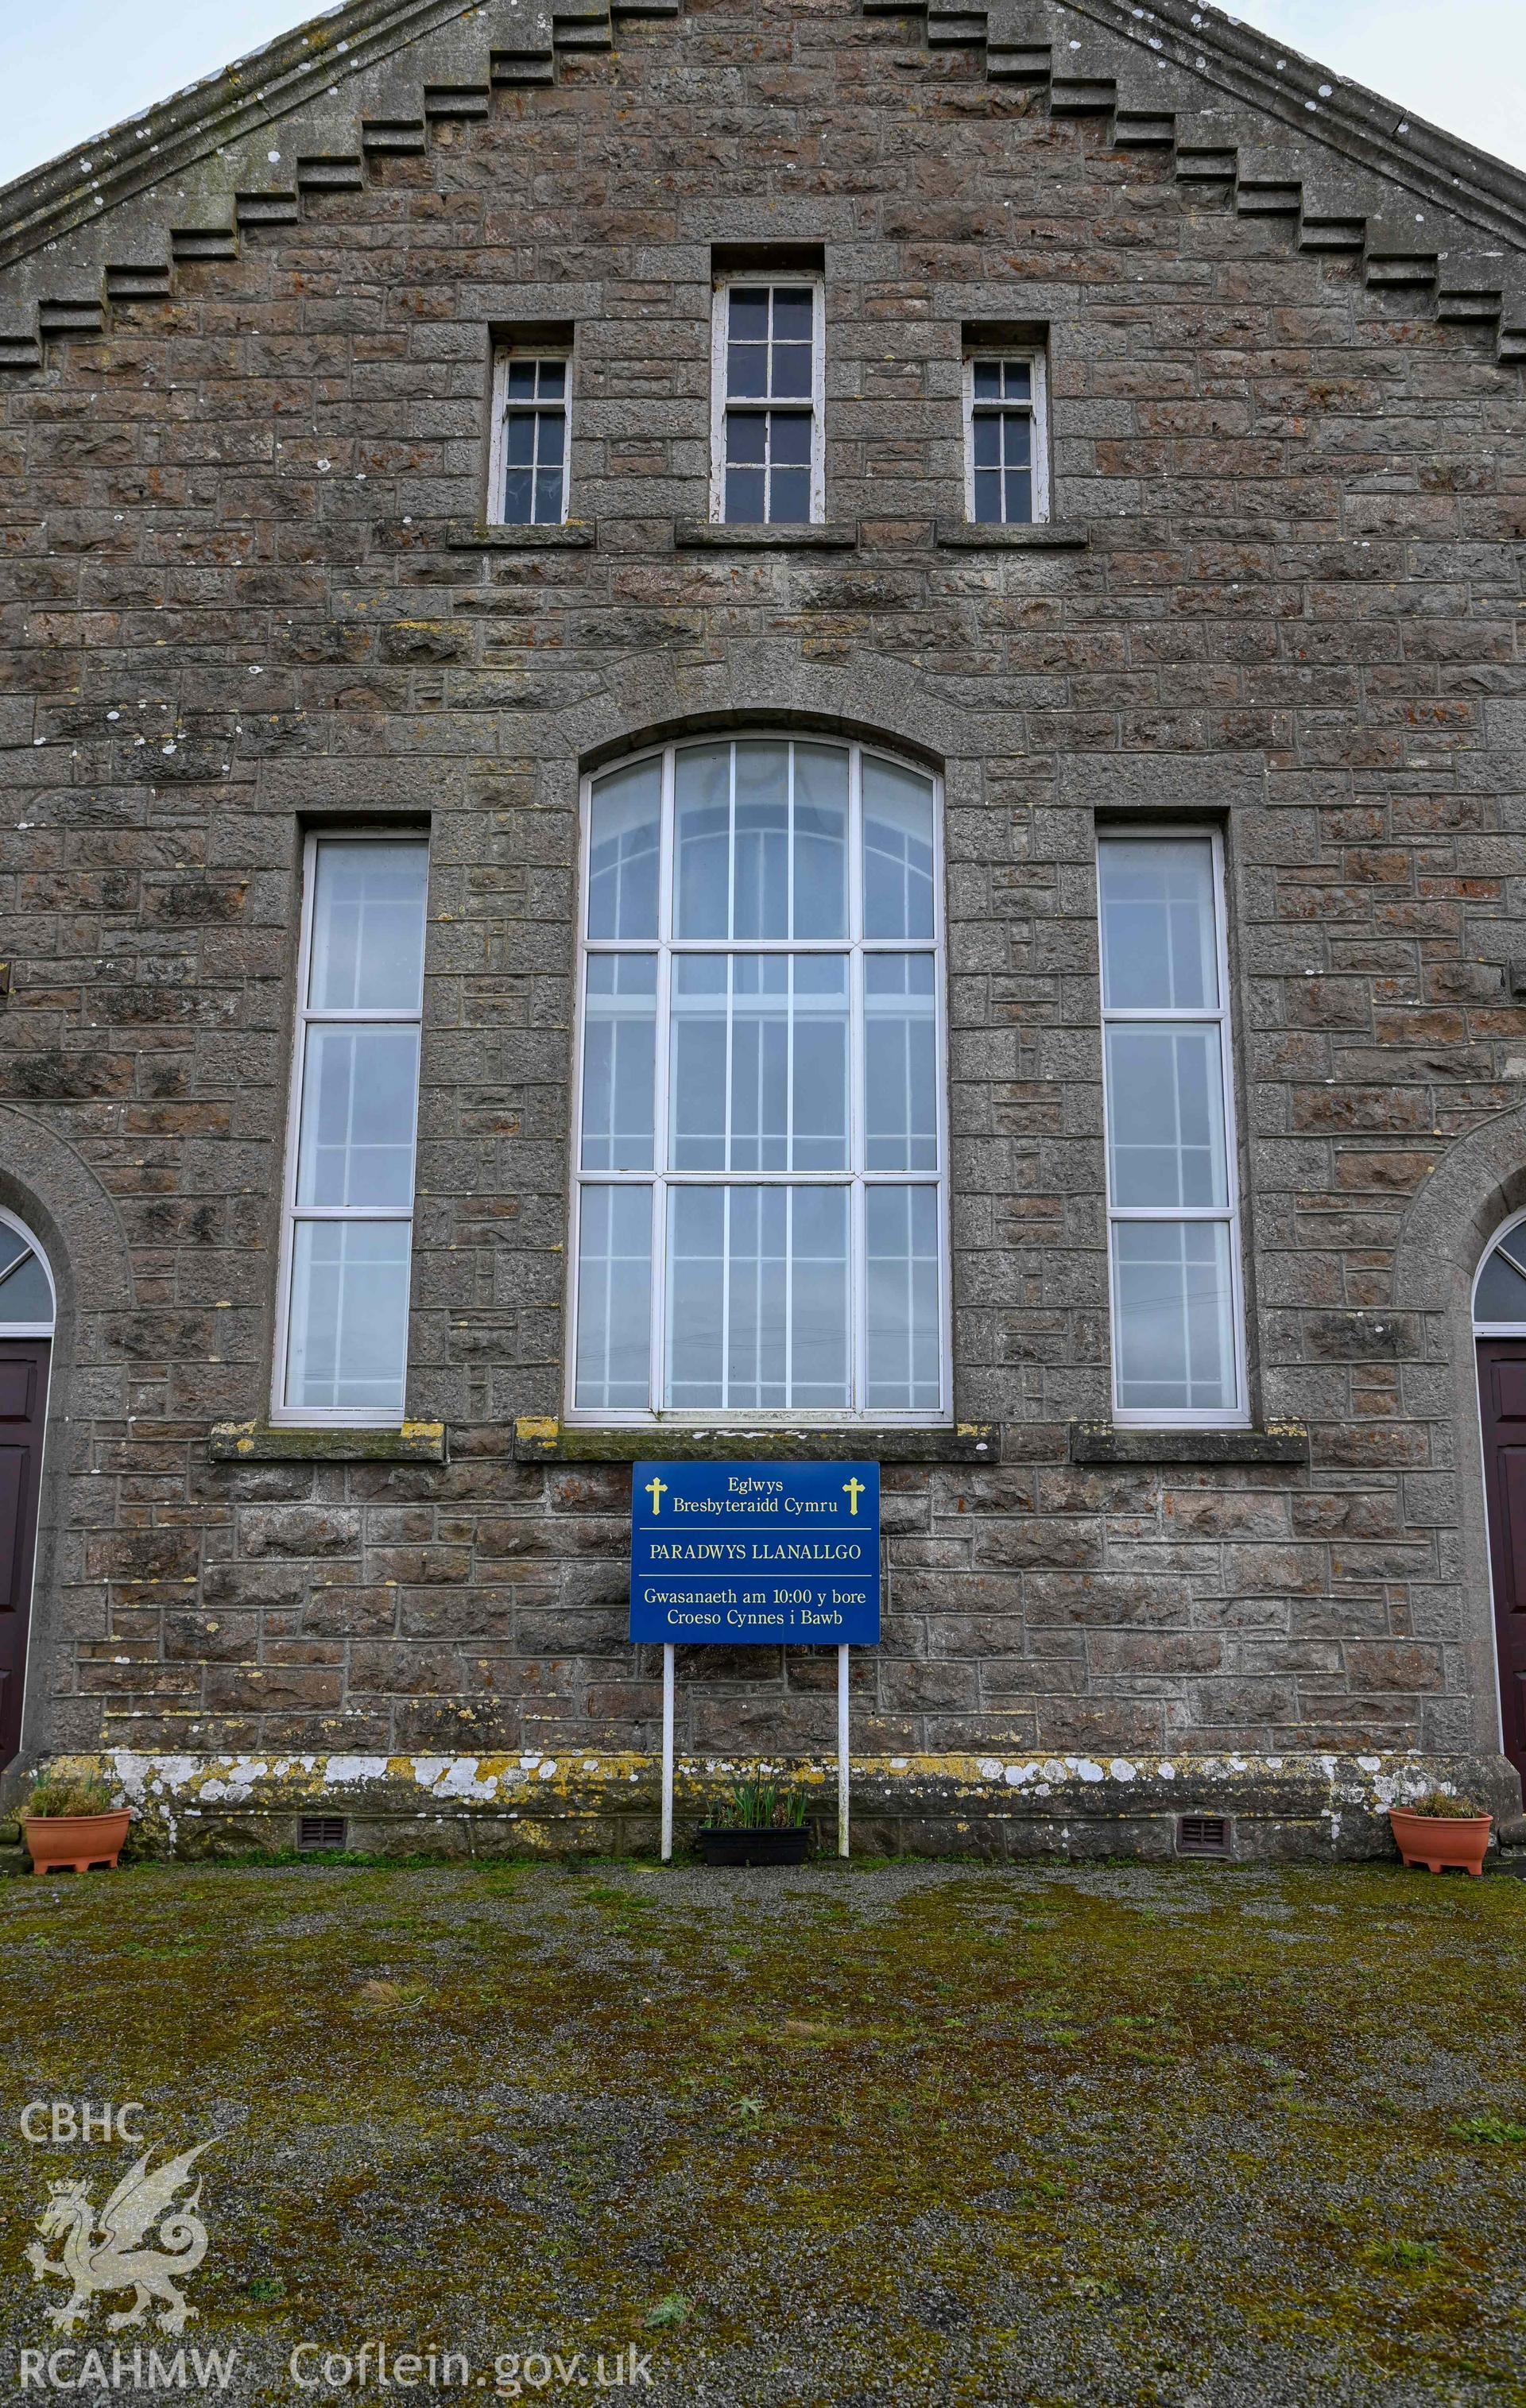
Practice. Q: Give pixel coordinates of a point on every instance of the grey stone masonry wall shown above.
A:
(240, 596)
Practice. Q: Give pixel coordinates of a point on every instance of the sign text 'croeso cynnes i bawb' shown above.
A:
(750, 1554)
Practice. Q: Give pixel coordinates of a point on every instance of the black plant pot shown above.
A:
(724, 1843)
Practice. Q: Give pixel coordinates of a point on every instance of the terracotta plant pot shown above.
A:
(1442, 1842)
(63, 1843)
(726, 1843)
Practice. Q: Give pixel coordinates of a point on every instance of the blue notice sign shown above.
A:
(756, 1553)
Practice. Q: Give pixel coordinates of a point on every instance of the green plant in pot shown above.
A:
(759, 1822)
(72, 1822)
(1442, 1831)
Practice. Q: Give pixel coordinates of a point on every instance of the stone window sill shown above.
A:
(539, 1441)
(1105, 1442)
(576, 535)
(957, 535)
(704, 535)
(280, 1442)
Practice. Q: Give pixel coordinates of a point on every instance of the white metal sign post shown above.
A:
(843, 1781)
(666, 1755)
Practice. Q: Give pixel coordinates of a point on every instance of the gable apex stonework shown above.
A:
(1242, 118)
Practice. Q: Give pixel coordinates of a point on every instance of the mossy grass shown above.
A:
(941, 2128)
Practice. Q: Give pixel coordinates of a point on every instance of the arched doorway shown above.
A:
(1498, 1321)
(26, 1336)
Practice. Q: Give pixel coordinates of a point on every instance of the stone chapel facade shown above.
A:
(741, 727)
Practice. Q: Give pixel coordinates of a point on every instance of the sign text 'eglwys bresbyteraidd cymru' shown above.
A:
(756, 1553)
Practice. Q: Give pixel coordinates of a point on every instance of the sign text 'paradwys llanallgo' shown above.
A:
(756, 1553)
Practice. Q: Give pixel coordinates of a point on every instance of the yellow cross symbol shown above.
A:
(853, 1489)
(657, 1489)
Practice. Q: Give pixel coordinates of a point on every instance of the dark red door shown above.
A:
(1502, 1393)
(23, 1402)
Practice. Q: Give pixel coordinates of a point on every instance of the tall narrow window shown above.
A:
(1178, 1354)
(528, 471)
(761, 1223)
(766, 426)
(349, 1218)
(1006, 438)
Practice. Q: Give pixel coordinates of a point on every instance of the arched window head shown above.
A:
(1499, 1295)
(761, 1152)
(26, 1285)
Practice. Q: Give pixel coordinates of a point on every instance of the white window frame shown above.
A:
(497, 465)
(1235, 1416)
(36, 1251)
(1480, 1328)
(310, 1016)
(1036, 359)
(721, 405)
(858, 1179)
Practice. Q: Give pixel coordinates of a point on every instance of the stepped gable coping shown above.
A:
(1467, 267)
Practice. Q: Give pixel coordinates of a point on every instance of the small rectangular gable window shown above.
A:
(529, 465)
(766, 468)
(1006, 437)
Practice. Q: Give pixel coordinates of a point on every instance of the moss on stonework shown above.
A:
(1120, 2133)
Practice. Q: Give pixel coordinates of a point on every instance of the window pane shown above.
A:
(765, 1038)
(1500, 1295)
(619, 1055)
(789, 497)
(360, 1091)
(1016, 439)
(346, 1345)
(702, 851)
(821, 840)
(985, 437)
(553, 378)
(791, 371)
(1018, 498)
(519, 498)
(749, 322)
(368, 927)
(746, 370)
(789, 438)
(1173, 1322)
(898, 851)
(746, 502)
(900, 1071)
(1158, 923)
(792, 311)
(519, 438)
(699, 1038)
(757, 1289)
(622, 852)
(987, 379)
(24, 1293)
(1017, 379)
(901, 1276)
(761, 859)
(1165, 1114)
(522, 380)
(747, 438)
(548, 497)
(987, 497)
(614, 1299)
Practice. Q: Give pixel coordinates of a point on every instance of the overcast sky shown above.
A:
(74, 67)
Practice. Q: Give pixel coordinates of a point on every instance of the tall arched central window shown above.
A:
(761, 1150)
